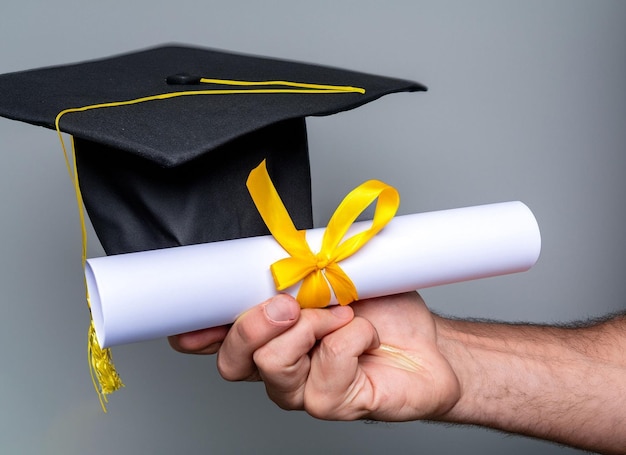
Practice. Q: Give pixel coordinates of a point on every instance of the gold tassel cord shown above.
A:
(103, 374)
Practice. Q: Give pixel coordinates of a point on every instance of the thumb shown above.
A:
(251, 330)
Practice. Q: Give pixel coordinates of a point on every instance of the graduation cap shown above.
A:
(165, 137)
(160, 172)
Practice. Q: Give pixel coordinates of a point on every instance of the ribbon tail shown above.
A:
(341, 284)
(314, 291)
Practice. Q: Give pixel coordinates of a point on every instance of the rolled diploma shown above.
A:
(147, 295)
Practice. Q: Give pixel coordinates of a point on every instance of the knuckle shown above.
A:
(229, 371)
(332, 347)
(321, 408)
(244, 332)
(224, 370)
(266, 361)
(273, 364)
(289, 401)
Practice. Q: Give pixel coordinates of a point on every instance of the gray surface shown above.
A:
(527, 101)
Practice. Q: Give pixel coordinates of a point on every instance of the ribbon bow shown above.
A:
(320, 272)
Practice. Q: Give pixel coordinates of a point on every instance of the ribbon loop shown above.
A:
(320, 272)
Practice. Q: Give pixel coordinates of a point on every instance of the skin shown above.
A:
(391, 359)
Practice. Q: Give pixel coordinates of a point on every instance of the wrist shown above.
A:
(453, 343)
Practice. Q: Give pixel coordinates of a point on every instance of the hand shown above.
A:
(376, 359)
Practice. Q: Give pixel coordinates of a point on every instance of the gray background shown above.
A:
(527, 101)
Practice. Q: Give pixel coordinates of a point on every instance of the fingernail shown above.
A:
(340, 311)
(281, 309)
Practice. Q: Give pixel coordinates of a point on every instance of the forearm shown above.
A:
(563, 384)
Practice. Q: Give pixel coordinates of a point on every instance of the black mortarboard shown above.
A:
(164, 172)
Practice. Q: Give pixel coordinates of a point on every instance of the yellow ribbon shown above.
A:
(320, 272)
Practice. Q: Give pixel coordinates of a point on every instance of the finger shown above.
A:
(335, 380)
(205, 341)
(416, 323)
(252, 330)
(283, 362)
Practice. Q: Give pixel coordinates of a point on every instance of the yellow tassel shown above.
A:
(103, 374)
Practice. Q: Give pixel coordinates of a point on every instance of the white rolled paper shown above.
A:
(153, 294)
